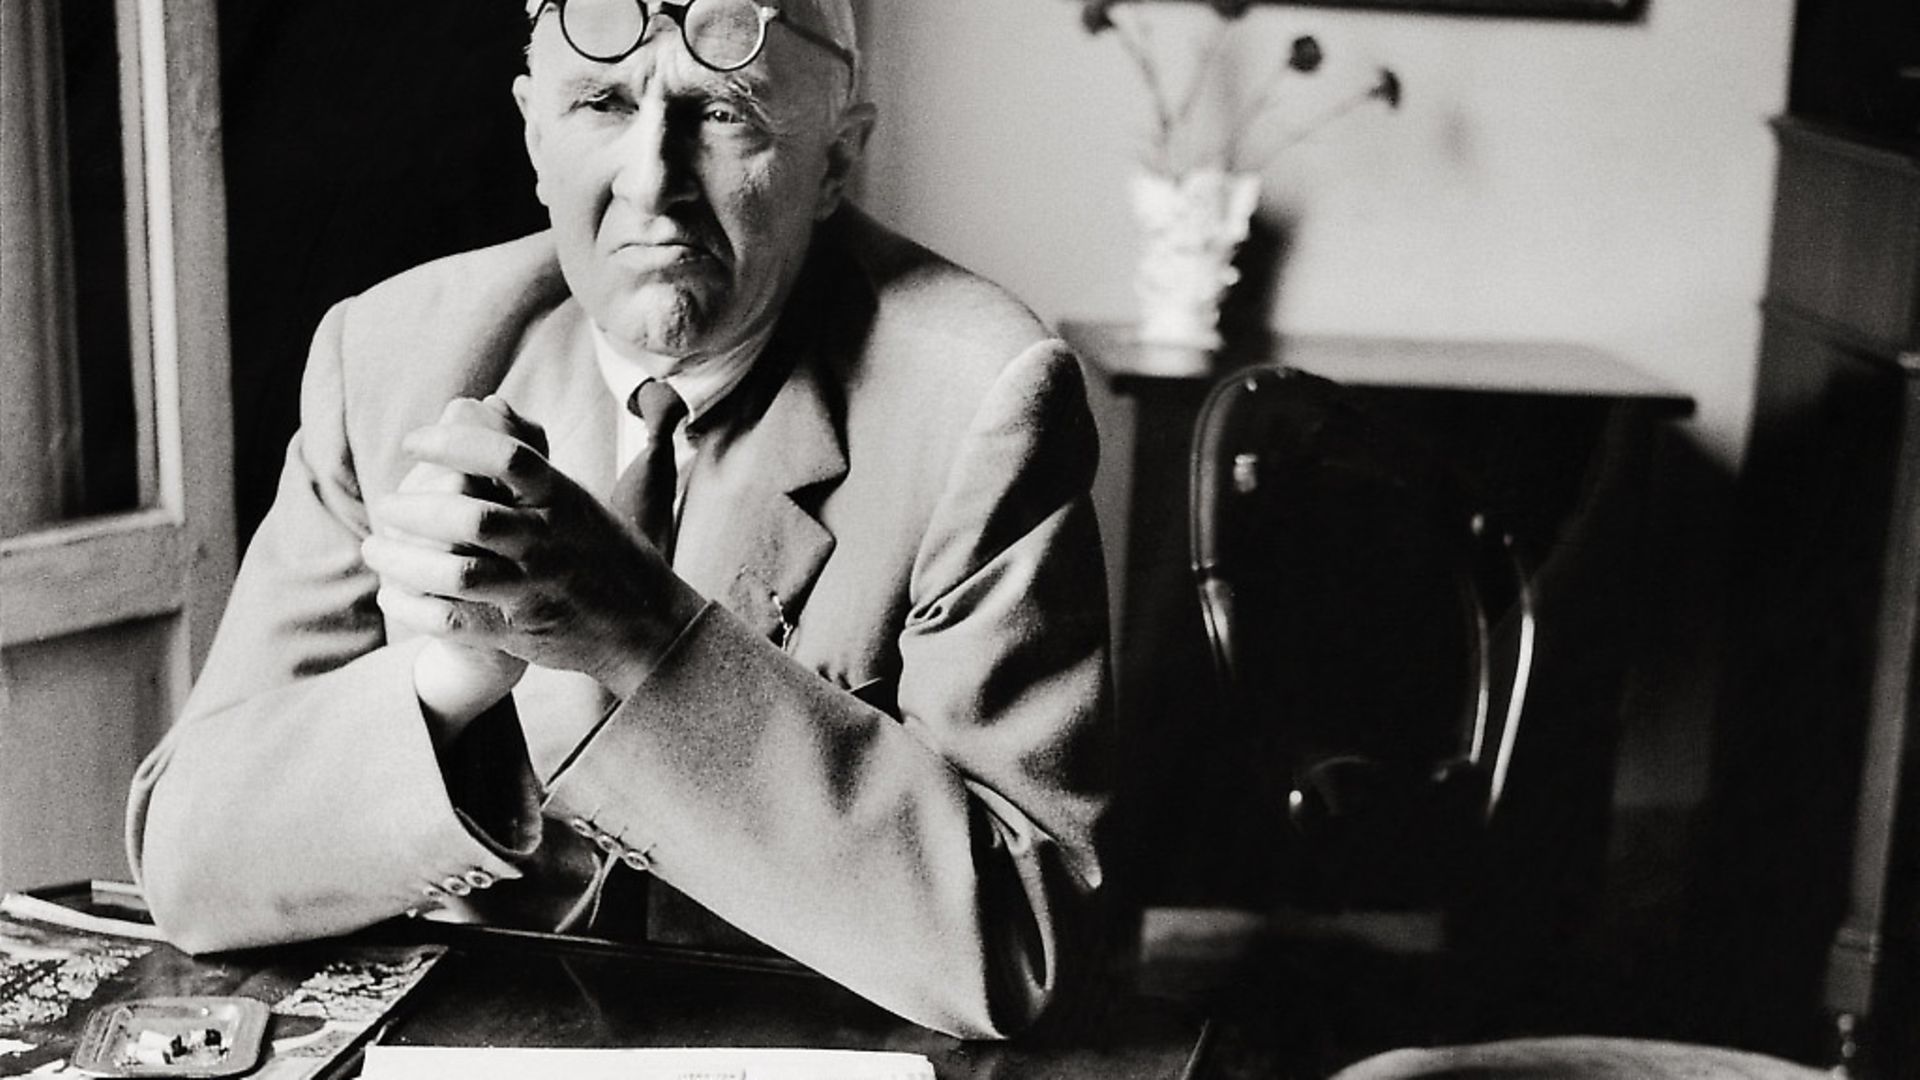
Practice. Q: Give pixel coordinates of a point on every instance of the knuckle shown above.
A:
(468, 572)
(431, 478)
(511, 614)
(491, 521)
(522, 461)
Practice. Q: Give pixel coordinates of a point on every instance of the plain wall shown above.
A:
(1607, 183)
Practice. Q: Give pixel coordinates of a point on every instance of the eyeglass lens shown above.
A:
(722, 34)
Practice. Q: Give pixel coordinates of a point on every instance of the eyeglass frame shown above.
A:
(769, 13)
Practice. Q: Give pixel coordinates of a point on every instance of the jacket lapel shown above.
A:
(749, 535)
(557, 384)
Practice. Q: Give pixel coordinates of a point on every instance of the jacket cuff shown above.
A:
(491, 782)
(568, 796)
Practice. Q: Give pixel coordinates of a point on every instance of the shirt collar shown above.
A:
(701, 386)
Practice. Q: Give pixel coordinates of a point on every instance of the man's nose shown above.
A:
(655, 169)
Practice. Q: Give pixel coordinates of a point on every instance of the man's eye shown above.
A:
(602, 101)
(722, 116)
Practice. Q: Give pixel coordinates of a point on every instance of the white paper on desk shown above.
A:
(652, 1063)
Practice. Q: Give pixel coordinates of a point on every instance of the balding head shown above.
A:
(831, 20)
(834, 18)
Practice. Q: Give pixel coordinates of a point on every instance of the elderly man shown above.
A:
(714, 566)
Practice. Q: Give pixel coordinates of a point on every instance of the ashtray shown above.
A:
(173, 1036)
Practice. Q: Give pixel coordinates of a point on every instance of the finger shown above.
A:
(527, 431)
(480, 413)
(472, 412)
(452, 575)
(490, 455)
(426, 476)
(438, 617)
(459, 521)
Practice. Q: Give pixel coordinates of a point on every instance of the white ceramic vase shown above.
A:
(1190, 225)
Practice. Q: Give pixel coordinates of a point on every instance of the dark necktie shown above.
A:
(645, 492)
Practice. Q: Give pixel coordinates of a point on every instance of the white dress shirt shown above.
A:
(702, 387)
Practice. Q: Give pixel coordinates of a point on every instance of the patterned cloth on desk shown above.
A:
(1576, 1058)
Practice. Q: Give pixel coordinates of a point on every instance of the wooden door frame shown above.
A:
(177, 555)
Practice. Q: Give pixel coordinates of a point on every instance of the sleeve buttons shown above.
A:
(479, 879)
(456, 886)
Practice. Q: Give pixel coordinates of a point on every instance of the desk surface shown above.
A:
(502, 988)
(1551, 368)
(512, 993)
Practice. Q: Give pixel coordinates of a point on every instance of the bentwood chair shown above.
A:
(1373, 628)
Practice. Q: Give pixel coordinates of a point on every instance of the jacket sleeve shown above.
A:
(299, 794)
(941, 862)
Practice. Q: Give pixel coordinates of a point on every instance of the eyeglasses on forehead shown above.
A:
(722, 35)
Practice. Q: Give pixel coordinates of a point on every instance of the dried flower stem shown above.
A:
(1171, 119)
(1306, 131)
(1133, 39)
(1216, 45)
(1252, 109)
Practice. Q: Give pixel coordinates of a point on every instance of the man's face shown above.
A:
(683, 199)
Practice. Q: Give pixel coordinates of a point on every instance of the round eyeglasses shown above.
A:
(723, 35)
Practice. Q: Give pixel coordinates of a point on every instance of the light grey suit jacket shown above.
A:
(882, 747)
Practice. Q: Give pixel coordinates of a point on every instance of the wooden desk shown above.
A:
(505, 992)
(504, 988)
(1558, 440)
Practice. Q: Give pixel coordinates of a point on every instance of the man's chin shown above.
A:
(664, 321)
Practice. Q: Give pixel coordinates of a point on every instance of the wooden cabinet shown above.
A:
(1857, 63)
(1816, 782)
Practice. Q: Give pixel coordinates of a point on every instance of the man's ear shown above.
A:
(530, 132)
(843, 156)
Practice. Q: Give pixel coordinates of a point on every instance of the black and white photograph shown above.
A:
(891, 540)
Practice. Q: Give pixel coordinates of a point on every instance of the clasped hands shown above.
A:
(503, 561)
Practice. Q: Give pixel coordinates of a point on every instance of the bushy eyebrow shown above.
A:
(577, 87)
(746, 87)
(750, 94)
(736, 86)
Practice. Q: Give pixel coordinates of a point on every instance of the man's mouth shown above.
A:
(660, 255)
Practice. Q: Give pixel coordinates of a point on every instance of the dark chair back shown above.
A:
(1373, 627)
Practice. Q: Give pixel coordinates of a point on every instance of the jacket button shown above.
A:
(636, 859)
(456, 886)
(479, 879)
(608, 843)
(583, 827)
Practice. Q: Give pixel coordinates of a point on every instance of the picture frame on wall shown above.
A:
(1619, 10)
